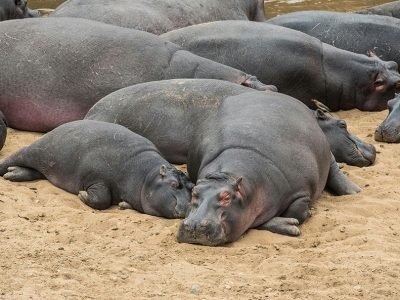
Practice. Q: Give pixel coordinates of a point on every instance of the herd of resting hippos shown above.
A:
(126, 88)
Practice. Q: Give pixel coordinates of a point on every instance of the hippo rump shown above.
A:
(391, 9)
(299, 65)
(104, 164)
(157, 16)
(260, 168)
(352, 32)
(16, 9)
(55, 69)
(389, 130)
(167, 113)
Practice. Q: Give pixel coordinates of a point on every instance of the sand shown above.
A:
(54, 247)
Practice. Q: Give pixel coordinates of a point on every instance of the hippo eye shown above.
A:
(174, 184)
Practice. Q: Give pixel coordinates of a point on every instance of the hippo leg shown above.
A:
(97, 196)
(22, 174)
(338, 183)
(286, 226)
(299, 209)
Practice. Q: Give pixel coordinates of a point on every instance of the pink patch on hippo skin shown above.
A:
(225, 199)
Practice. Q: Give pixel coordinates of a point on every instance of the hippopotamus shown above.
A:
(349, 31)
(389, 130)
(299, 65)
(157, 16)
(391, 9)
(16, 9)
(112, 165)
(55, 69)
(167, 113)
(260, 168)
(3, 130)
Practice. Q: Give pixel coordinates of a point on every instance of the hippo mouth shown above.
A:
(387, 134)
(188, 236)
(363, 158)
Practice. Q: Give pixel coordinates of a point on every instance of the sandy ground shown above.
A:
(54, 247)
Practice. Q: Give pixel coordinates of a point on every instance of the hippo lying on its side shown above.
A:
(389, 130)
(159, 16)
(260, 168)
(104, 164)
(352, 32)
(299, 65)
(391, 9)
(3, 130)
(16, 9)
(168, 112)
(55, 69)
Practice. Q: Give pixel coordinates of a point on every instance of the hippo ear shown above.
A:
(163, 171)
(320, 114)
(371, 53)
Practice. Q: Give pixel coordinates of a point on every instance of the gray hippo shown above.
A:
(55, 69)
(167, 113)
(104, 164)
(16, 9)
(3, 130)
(257, 166)
(389, 130)
(299, 65)
(391, 9)
(157, 16)
(352, 32)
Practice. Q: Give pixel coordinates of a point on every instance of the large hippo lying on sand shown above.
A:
(260, 168)
(391, 9)
(55, 69)
(104, 164)
(352, 32)
(168, 112)
(389, 130)
(15, 9)
(299, 65)
(159, 16)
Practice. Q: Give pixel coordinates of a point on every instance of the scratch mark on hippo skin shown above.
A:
(316, 26)
(10, 37)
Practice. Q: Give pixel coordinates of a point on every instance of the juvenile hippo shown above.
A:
(352, 32)
(104, 164)
(55, 69)
(159, 16)
(260, 168)
(391, 9)
(299, 65)
(168, 112)
(389, 130)
(16, 9)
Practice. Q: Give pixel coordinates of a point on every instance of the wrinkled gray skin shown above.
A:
(257, 166)
(391, 9)
(299, 65)
(159, 16)
(3, 130)
(389, 130)
(104, 164)
(55, 69)
(16, 9)
(167, 113)
(352, 32)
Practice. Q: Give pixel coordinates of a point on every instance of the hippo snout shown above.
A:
(204, 232)
(368, 152)
(387, 134)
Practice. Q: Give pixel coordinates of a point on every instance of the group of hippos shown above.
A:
(126, 88)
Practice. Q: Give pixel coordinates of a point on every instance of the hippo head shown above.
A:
(377, 85)
(22, 10)
(216, 214)
(168, 193)
(345, 147)
(389, 130)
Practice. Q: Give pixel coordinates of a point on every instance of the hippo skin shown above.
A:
(352, 32)
(16, 9)
(167, 113)
(104, 164)
(157, 16)
(55, 69)
(391, 9)
(389, 130)
(260, 168)
(299, 65)
(3, 130)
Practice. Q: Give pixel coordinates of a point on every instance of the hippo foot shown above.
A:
(285, 226)
(124, 205)
(19, 174)
(338, 183)
(97, 196)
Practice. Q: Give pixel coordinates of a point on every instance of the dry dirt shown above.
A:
(54, 247)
